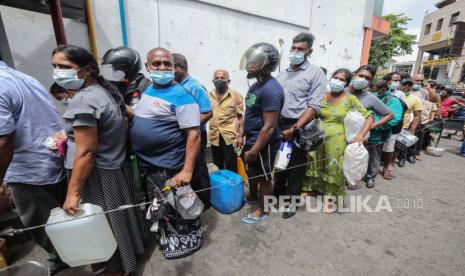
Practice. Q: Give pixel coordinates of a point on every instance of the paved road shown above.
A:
(423, 235)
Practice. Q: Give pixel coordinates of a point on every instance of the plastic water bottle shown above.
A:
(81, 240)
(283, 156)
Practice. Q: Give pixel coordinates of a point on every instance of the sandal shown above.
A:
(328, 207)
(249, 219)
(387, 176)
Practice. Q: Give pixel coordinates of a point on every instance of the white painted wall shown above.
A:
(209, 35)
(338, 28)
(32, 40)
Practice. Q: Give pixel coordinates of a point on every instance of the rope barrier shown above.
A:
(12, 231)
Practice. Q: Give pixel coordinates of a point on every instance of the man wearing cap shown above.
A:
(415, 106)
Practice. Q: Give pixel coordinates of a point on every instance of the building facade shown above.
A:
(212, 34)
(441, 54)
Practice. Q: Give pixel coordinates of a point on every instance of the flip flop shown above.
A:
(251, 220)
(250, 202)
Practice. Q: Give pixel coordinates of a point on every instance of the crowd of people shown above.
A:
(113, 111)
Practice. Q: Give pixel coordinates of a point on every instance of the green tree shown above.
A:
(397, 43)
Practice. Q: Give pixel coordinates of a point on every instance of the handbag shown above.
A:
(177, 237)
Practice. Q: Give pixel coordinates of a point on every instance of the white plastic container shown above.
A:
(438, 152)
(283, 156)
(81, 241)
(406, 138)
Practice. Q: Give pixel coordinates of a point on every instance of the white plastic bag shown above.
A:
(283, 156)
(355, 163)
(353, 124)
(406, 138)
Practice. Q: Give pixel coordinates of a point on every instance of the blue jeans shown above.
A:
(462, 152)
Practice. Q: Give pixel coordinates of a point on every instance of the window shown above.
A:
(439, 25)
(454, 18)
(427, 29)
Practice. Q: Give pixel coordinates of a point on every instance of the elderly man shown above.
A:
(304, 85)
(34, 173)
(227, 121)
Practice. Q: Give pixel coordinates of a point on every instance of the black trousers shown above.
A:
(224, 156)
(421, 132)
(374, 151)
(200, 177)
(34, 204)
(289, 182)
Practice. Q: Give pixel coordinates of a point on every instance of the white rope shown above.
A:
(12, 231)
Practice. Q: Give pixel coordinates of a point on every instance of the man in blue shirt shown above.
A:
(35, 174)
(201, 179)
(264, 102)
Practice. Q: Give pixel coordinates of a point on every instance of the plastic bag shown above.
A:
(406, 138)
(355, 163)
(353, 124)
(283, 156)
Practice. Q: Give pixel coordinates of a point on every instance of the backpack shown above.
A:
(398, 127)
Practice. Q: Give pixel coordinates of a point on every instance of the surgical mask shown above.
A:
(296, 58)
(394, 85)
(162, 77)
(220, 85)
(67, 78)
(336, 86)
(416, 86)
(359, 83)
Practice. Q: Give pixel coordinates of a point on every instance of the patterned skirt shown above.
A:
(111, 189)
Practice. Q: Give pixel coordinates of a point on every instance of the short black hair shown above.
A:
(55, 89)
(405, 76)
(381, 84)
(346, 72)
(388, 76)
(449, 91)
(440, 87)
(180, 61)
(370, 68)
(304, 37)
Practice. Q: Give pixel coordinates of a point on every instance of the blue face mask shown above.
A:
(296, 58)
(67, 78)
(359, 83)
(394, 85)
(336, 86)
(416, 87)
(162, 77)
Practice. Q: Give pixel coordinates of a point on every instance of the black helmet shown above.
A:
(263, 55)
(123, 59)
(310, 137)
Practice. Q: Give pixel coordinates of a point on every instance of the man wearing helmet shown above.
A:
(304, 85)
(121, 66)
(264, 101)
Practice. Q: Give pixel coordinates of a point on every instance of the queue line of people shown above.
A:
(166, 129)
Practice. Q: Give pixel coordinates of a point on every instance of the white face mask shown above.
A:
(67, 78)
(336, 85)
(359, 83)
(65, 102)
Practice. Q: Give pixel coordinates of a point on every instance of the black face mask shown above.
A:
(220, 85)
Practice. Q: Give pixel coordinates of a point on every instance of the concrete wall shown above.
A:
(426, 41)
(32, 40)
(211, 36)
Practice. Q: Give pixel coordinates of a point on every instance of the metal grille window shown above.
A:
(454, 18)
